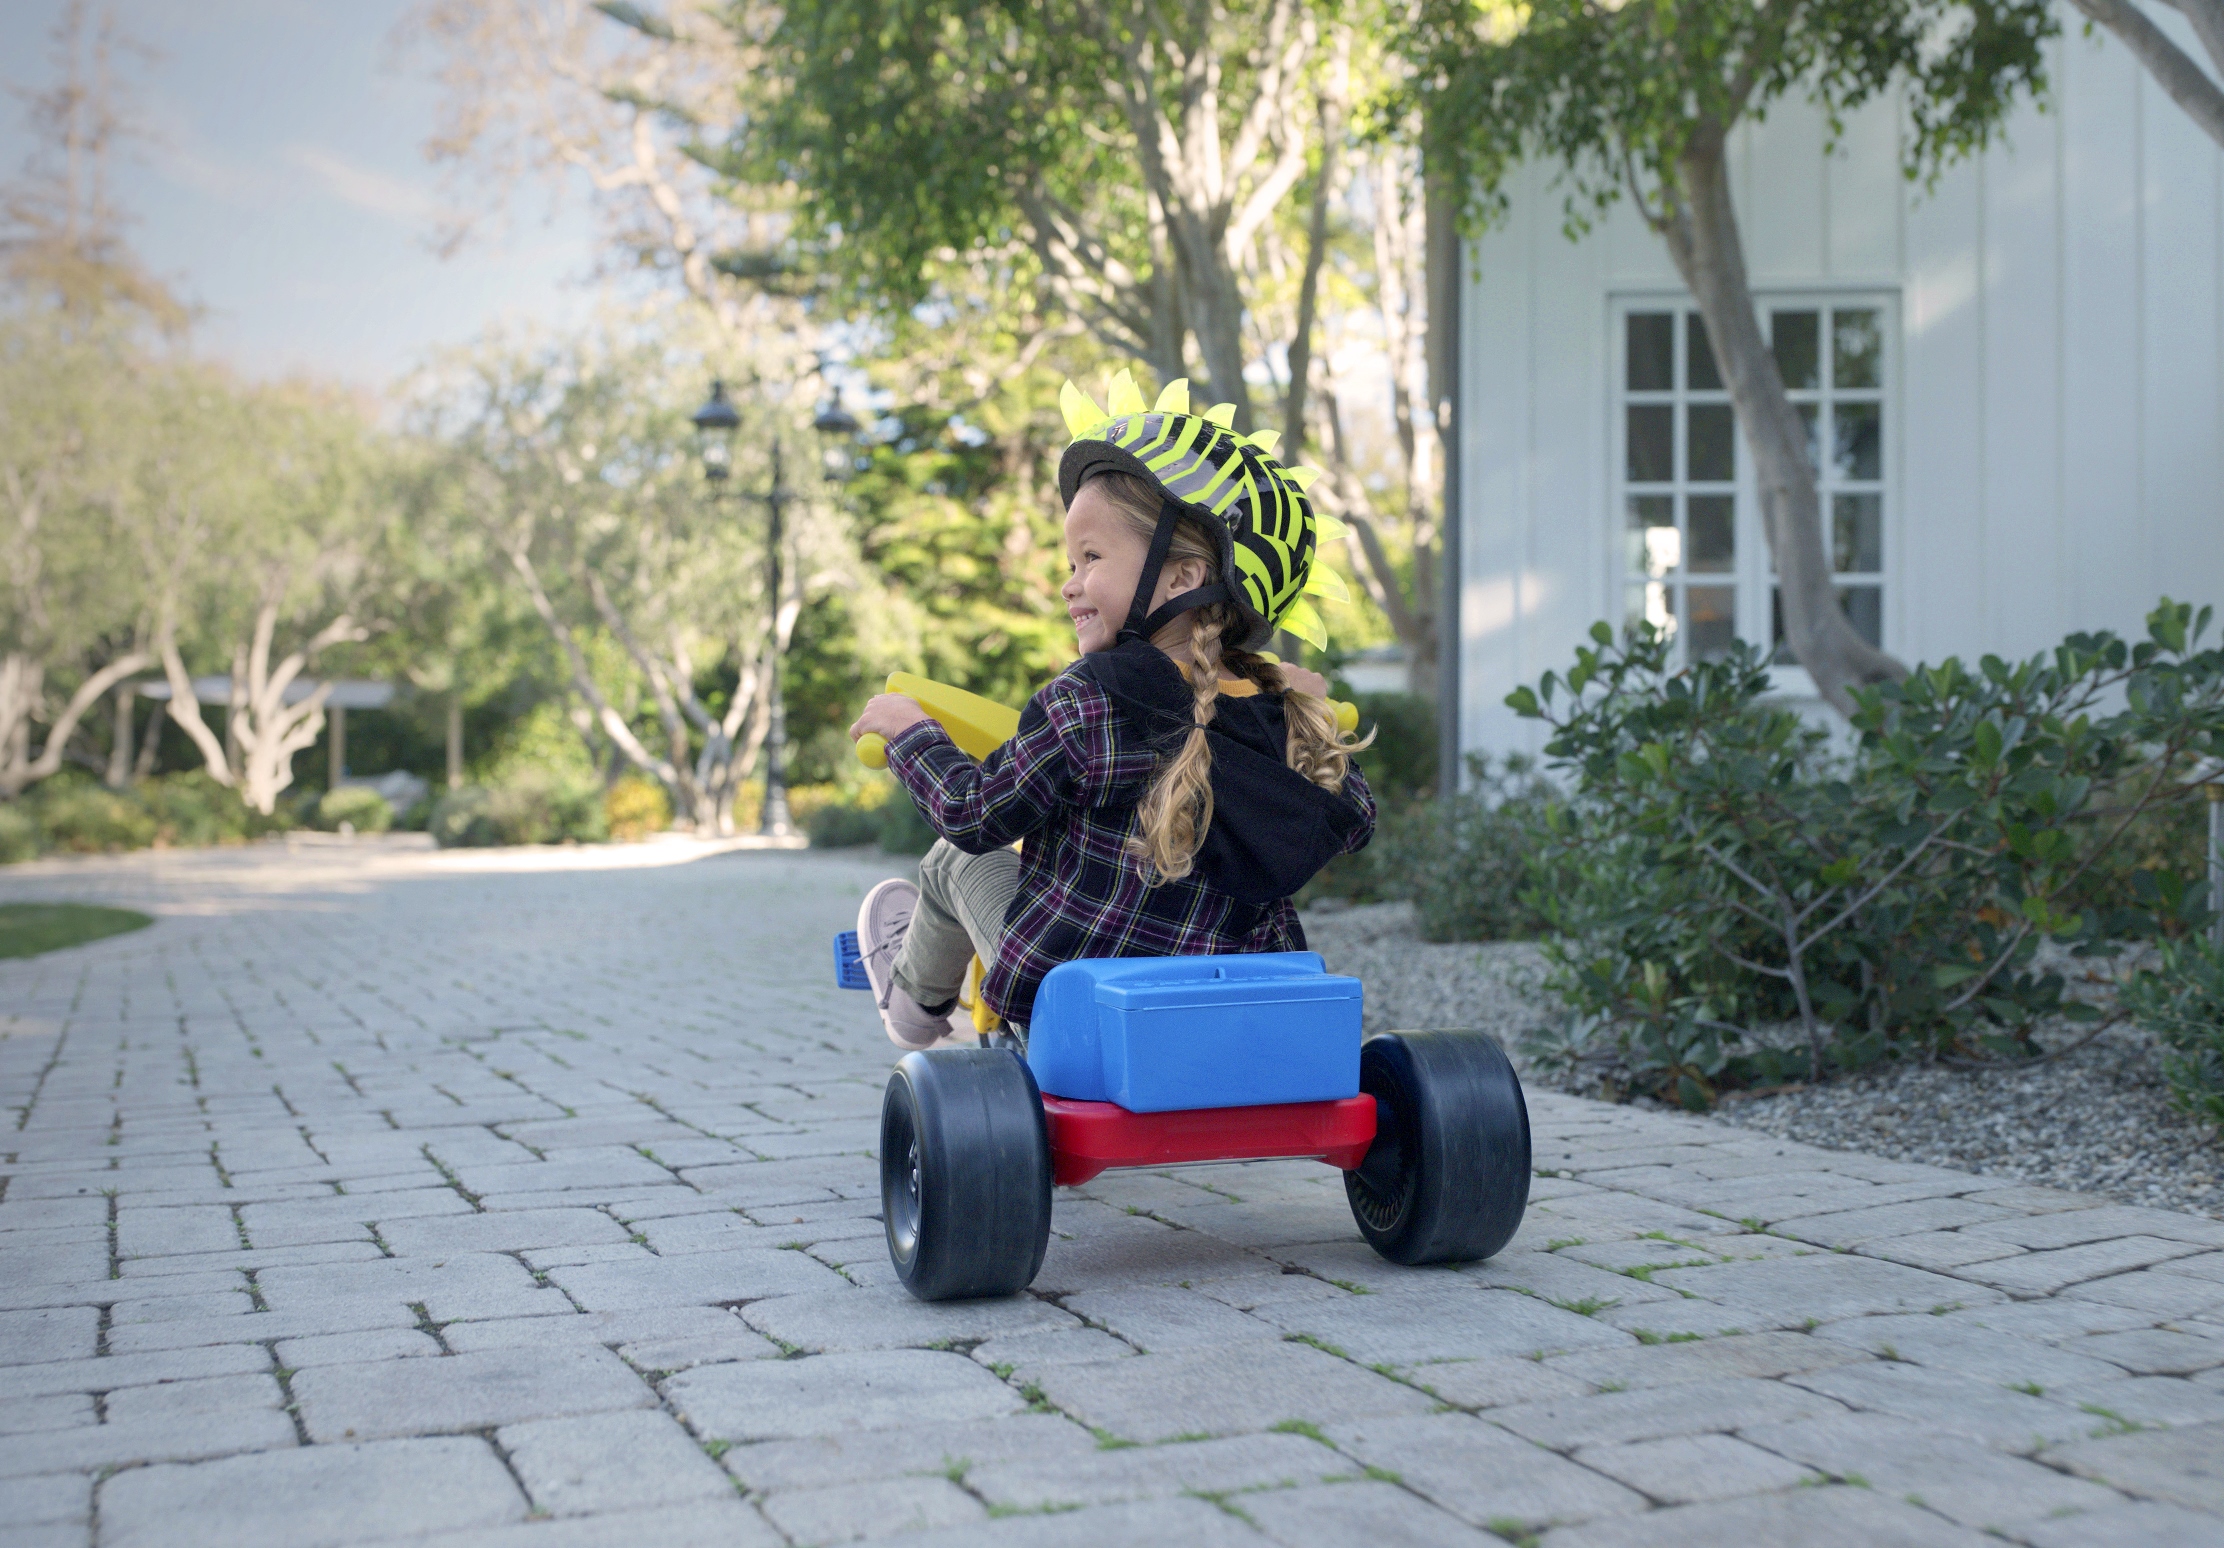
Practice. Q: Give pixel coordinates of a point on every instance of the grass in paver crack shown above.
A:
(1513, 1531)
(1054, 1508)
(1304, 1427)
(714, 1449)
(2117, 1423)
(32, 929)
(2031, 1387)
(1322, 1344)
(1648, 1336)
(1559, 1242)
(1588, 1306)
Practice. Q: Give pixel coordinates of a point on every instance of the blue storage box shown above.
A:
(1161, 1034)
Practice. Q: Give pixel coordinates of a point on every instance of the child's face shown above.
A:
(1106, 556)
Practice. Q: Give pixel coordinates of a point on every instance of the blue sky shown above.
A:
(285, 189)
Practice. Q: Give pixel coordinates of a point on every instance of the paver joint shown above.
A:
(531, 1198)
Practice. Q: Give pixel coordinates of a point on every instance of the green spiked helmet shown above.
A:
(1256, 509)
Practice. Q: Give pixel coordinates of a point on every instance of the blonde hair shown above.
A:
(1175, 813)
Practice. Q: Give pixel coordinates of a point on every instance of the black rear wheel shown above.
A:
(964, 1173)
(1447, 1178)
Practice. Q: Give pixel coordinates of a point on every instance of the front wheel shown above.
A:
(964, 1173)
(1447, 1178)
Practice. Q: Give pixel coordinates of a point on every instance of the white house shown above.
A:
(2018, 381)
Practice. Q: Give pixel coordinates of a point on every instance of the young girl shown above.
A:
(1172, 787)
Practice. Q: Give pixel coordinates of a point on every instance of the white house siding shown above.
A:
(2055, 438)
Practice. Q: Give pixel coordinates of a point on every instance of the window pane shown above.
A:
(1699, 356)
(1652, 443)
(1712, 523)
(1648, 515)
(1652, 351)
(1807, 414)
(1710, 621)
(1712, 451)
(1857, 533)
(1857, 440)
(1798, 341)
(1653, 603)
(1864, 607)
(1856, 349)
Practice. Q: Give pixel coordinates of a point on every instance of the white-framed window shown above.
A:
(1691, 554)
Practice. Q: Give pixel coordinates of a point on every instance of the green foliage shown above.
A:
(79, 817)
(1717, 869)
(1400, 764)
(1618, 96)
(363, 810)
(19, 834)
(2181, 1001)
(192, 809)
(532, 806)
(1464, 863)
(903, 831)
(30, 929)
(636, 806)
(837, 818)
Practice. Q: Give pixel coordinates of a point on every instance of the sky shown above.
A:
(284, 189)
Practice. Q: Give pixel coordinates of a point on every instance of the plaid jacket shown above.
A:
(1068, 783)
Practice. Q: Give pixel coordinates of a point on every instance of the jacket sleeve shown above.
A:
(1020, 786)
(1355, 789)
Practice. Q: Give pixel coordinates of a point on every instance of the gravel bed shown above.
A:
(2095, 1121)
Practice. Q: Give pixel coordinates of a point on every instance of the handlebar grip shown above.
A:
(1347, 715)
(872, 750)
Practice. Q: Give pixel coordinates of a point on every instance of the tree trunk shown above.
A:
(22, 696)
(2174, 70)
(1701, 230)
(118, 776)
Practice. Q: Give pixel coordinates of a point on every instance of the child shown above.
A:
(1172, 787)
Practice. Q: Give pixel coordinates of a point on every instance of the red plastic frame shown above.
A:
(1087, 1138)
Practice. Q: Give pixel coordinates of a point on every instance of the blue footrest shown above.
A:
(849, 962)
(1164, 1034)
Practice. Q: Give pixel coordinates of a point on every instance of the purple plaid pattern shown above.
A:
(1067, 783)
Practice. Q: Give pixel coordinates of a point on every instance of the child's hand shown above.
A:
(888, 715)
(1298, 680)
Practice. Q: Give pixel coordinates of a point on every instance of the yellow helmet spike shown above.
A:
(1124, 396)
(1266, 440)
(1321, 581)
(1081, 411)
(1302, 477)
(1221, 414)
(1302, 621)
(1173, 398)
(1327, 527)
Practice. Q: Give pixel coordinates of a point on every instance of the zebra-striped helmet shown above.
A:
(1255, 508)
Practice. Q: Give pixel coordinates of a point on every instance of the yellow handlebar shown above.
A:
(979, 726)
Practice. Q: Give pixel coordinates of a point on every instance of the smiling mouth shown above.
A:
(1081, 616)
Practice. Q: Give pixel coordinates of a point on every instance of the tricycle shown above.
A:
(1167, 1061)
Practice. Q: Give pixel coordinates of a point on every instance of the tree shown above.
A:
(2196, 90)
(1133, 152)
(1638, 101)
(580, 464)
(262, 519)
(67, 609)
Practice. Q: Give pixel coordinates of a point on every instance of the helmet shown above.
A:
(1255, 509)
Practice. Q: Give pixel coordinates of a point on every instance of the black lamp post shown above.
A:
(715, 423)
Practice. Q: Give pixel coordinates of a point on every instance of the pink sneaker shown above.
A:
(882, 921)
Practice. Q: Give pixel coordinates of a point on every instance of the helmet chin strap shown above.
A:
(1143, 624)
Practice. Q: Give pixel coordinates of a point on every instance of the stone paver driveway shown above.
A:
(529, 1200)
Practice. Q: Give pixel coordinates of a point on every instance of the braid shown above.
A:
(1175, 812)
(1316, 748)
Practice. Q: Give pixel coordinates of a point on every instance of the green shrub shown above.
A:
(635, 807)
(902, 830)
(83, 818)
(1718, 870)
(530, 807)
(193, 809)
(2181, 1001)
(1464, 863)
(363, 810)
(462, 819)
(19, 834)
(1400, 764)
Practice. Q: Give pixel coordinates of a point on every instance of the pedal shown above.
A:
(849, 962)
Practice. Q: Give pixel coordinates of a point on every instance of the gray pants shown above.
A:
(962, 901)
